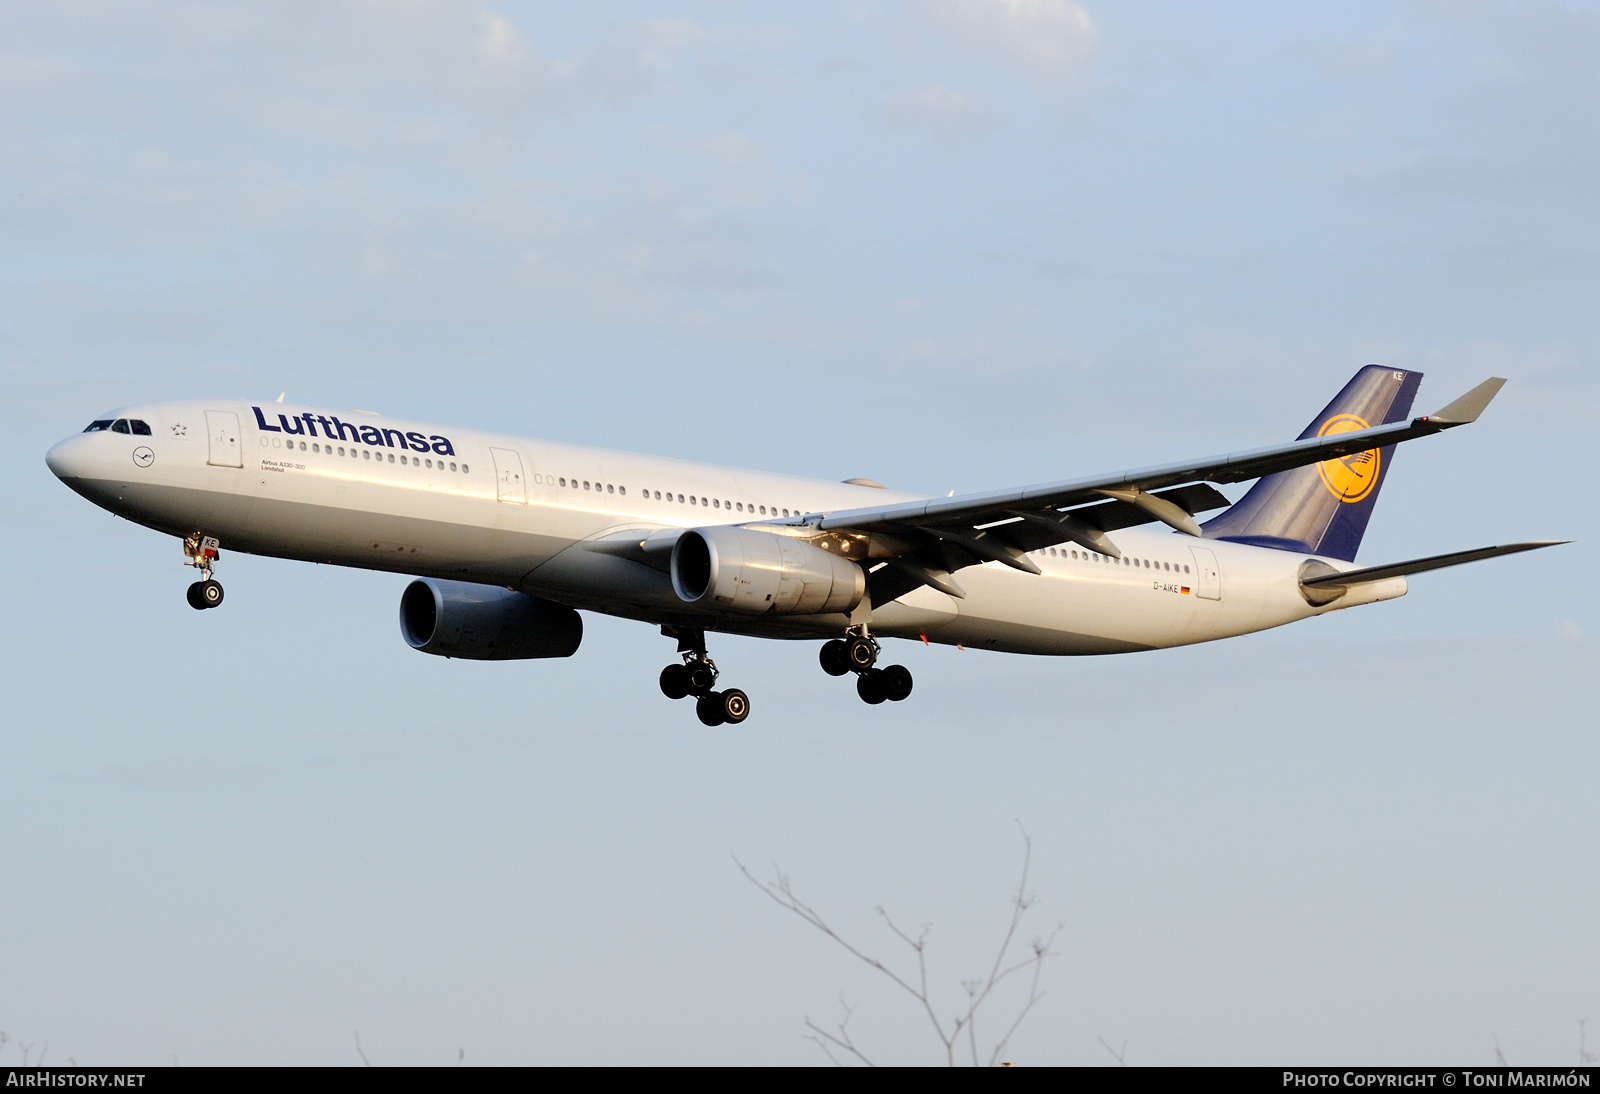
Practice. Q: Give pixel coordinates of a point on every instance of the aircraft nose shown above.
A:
(68, 459)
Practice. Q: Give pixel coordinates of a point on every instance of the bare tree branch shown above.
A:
(839, 1046)
(1041, 950)
(843, 1040)
(784, 896)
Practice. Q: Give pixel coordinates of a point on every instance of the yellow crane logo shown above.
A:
(1348, 478)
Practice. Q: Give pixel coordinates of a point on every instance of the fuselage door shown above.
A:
(510, 483)
(1208, 578)
(222, 427)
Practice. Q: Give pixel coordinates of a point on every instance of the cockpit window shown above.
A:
(140, 429)
(120, 425)
(99, 427)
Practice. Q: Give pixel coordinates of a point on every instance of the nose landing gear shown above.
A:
(203, 551)
(697, 676)
(858, 653)
(205, 594)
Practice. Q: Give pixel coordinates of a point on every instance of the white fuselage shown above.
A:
(468, 506)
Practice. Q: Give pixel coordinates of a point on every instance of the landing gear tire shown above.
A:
(895, 682)
(204, 594)
(861, 653)
(869, 685)
(675, 681)
(701, 677)
(709, 709)
(835, 657)
(735, 705)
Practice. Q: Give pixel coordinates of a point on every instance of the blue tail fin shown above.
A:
(1323, 509)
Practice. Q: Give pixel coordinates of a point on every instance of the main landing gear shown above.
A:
(858, 653)
(697, 676)
(202, 551)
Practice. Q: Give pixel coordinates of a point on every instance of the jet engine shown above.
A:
(741, 570)
(485, 622)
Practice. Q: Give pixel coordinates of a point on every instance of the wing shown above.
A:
(924, 542)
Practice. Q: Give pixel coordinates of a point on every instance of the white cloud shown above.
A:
(1051, 43)
(942, 112)
(501, 40)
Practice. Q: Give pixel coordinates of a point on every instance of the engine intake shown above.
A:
(485, 622)
(738, 569)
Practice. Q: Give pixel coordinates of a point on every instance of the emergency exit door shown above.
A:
(222, 429)
(1208, 578)
(510, 484)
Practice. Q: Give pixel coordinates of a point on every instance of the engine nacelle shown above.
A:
(741, 570)
(485, 622)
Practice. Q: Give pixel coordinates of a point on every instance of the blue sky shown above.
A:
(948, 245)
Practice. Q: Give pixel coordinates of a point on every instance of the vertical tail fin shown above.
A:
(1324, 508)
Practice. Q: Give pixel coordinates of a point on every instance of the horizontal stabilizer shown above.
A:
(1420, 565)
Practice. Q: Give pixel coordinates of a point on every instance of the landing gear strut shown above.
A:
(202, 551)
(697, 676)
(858, 653)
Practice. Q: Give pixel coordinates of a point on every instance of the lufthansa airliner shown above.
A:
(509, 538)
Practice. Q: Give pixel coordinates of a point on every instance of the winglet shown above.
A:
(1469, 406)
